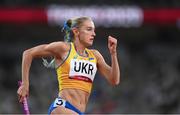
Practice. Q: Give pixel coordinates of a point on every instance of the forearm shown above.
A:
(26, 63)
(115, 71)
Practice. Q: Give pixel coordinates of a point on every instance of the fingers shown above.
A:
(20, 99)
(22, 94)
(112, 44)
(112, 39)
(19, 94)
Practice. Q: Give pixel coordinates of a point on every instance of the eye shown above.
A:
(90, 29)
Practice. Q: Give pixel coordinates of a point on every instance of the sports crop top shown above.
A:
(77, 71)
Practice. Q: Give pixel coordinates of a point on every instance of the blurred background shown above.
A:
(148, 33)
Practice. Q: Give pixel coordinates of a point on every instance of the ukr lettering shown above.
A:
(83, 67)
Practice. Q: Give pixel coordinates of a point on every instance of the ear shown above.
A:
(75, 31)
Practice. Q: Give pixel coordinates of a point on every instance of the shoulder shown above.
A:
(59, 45)
(96, 53)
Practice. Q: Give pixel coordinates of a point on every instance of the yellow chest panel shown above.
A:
(77, 71)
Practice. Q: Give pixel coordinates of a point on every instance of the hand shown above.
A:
(112, 44)
(22, 92)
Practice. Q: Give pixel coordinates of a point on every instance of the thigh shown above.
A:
(63, 110)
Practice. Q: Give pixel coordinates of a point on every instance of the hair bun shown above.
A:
(69, 23)
(66, 26)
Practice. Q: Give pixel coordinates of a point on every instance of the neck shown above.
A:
(80, 49)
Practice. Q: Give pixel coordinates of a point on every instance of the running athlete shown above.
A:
(75, 64)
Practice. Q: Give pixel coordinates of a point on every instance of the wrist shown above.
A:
(25, 84)
(113, 53)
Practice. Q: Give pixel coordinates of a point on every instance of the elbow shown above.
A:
(27, 54)
(115, 82)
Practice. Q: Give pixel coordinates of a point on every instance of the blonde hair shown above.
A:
(71, 23)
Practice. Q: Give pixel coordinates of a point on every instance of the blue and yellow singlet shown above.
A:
(77, 71)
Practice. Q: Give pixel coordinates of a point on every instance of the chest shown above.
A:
(83, 68)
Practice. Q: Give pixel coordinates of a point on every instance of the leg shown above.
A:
(63, 110)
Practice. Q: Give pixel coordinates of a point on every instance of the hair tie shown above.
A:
(65, 27)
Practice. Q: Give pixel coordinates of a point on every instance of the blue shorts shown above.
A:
(61, 102)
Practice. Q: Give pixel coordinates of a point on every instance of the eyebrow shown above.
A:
(89, 27)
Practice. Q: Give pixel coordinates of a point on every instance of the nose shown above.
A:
(94, 34)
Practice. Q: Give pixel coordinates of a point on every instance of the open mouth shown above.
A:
(91, 38)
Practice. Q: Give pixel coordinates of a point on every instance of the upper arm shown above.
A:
(53, 49)
(102, 66)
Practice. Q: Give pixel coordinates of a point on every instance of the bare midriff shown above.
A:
(76, 97)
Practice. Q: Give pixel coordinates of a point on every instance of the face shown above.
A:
(86, 33)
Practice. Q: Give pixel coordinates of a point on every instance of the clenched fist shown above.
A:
(22, 92)
(112, 44)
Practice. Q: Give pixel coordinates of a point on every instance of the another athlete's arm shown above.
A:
(111, 73)
(55, 49)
